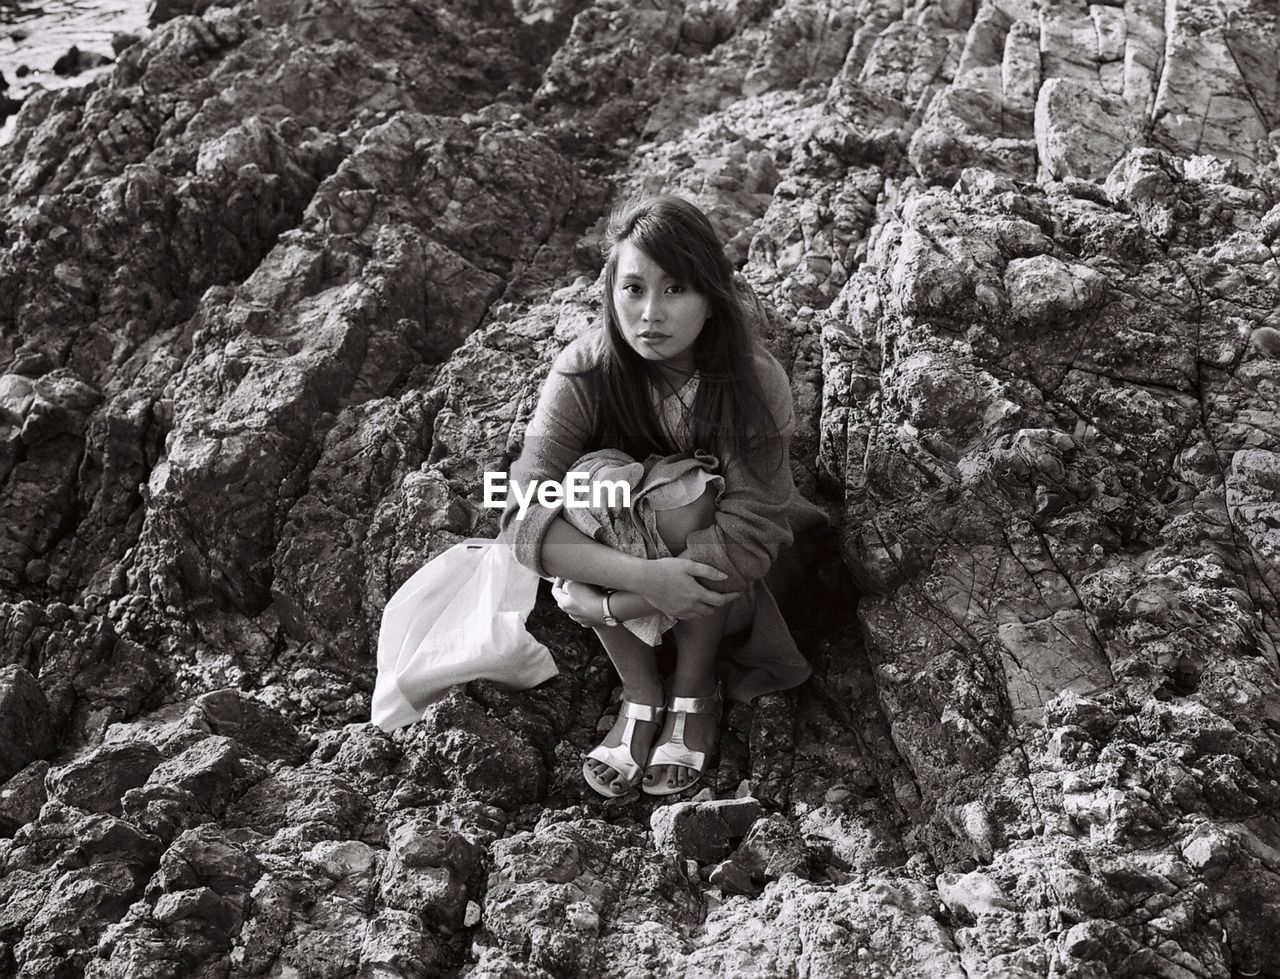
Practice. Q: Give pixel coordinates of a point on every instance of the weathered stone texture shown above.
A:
(279, 290)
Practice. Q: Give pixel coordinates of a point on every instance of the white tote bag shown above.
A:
(460, 617)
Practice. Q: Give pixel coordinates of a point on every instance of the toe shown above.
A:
(602, 773)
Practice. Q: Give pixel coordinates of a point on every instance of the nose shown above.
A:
(652, 312)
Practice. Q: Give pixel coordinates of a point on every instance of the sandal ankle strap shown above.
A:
(696, 705)
(641, 712)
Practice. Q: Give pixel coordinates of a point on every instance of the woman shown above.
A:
(674, 396)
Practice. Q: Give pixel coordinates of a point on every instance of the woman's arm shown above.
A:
(584, 603)
(750, 526)
(543, 541)
(630, 605)
(569, 553)
(674, 585)
(556, 436)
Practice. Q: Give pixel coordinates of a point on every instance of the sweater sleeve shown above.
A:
(751, 524)
(555, 438)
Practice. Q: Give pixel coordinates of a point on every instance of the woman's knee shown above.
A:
(703, 510)
(677, 524)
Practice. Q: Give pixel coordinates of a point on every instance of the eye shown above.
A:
(628, 286)
(677, 288)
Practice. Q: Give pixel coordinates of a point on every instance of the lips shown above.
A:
(650, 335)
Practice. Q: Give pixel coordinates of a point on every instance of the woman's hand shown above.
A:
(671, 585)
(581, 602)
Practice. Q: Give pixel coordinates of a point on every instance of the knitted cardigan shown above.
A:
(757, 518)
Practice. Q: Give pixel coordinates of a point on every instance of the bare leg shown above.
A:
(636, 663)
(697, 643)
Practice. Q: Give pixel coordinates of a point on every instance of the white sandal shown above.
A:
(675, 751)
(618, 757)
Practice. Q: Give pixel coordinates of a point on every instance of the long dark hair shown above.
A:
(729, 414)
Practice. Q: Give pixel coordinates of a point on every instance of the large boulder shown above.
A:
(26, 728)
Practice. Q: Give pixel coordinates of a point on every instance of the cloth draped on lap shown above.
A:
(656, 484)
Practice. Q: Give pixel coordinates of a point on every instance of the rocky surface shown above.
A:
(280, 287)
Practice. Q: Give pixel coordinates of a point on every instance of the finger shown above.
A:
(716, 598)
(706, 606)
(700, 570)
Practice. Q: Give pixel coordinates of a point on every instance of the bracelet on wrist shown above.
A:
(609, 618)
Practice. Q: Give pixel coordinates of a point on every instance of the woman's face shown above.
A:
(659, 317)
